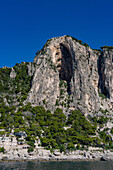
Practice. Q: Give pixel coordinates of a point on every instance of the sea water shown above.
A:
(61, 165)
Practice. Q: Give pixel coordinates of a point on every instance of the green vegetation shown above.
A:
(47, 43)
(57, 102)
(23, 80)
(75, 39)
(103, 111)
(30, 149)
(4, 79)
(108, 47)
(54, 130)
(98, 120)
(49, 128)
(15, 89)
(63, 83)
(86, 45)
(98, 50)
(2, 149)
(21, 83)
(111, 131)
(102, 96)
(106, 138)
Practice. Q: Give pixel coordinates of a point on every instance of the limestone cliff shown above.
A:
(72, 75)
(106, 73)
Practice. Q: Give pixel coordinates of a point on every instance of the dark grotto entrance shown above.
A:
(66, 70)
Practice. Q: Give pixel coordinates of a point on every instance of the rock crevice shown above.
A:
(87, 73)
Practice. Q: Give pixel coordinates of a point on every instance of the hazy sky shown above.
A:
(25, 25)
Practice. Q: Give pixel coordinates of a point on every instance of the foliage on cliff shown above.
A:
(55, 131)
(15, 89)
(78, 79)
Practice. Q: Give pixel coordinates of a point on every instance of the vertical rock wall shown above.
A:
(106, 73)
(84, 70)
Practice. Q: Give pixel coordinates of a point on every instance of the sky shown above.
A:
(26, 25)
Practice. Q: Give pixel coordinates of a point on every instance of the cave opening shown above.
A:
(66, 66)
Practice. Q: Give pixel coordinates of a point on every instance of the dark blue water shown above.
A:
(68, 165)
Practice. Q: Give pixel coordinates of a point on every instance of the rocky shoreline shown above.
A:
(77, 155)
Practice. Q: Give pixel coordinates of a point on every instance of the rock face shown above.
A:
(13, 73)
(106, 73)
(71, 74)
